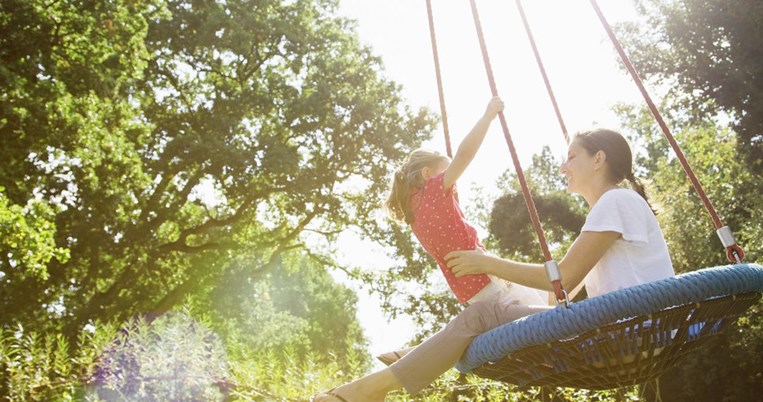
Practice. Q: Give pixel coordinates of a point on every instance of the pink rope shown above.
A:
(558, 290)
(730, 250)
(543, 71)
(439, 79)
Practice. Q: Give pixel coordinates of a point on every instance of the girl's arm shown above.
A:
(470, 144)
(587, 249)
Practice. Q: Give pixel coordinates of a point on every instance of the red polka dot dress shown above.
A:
(440, 227)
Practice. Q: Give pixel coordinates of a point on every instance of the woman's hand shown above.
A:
(468, 262)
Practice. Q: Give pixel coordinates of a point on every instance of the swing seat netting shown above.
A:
(609, 341)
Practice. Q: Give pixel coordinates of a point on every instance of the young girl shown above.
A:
(424, 195)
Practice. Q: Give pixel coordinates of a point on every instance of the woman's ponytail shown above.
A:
(619, 156)
(638, 187)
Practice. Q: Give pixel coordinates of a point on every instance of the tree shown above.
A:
(169, 136)
(296, 308)
(513, 231)
(728, 368)
(561, 216)
(708, 51)
(28, 238)
(728, 184)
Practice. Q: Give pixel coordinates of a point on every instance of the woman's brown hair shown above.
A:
(619, 156)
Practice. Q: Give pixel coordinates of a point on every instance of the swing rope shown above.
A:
(542, 71)
(440, 91)
(552, 269)
(624, 337)
(734, 252)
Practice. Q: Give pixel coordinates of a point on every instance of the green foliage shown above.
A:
(513, 231)
(729, 185)
(459, 387)
(275, 338)
(284, 375)
(168, 137)
(562, 216)
(707, 51)
(295, 307)
(174, 358)
(728, 368)
(27, 242)
(45, 367)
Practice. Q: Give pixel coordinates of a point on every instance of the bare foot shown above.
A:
(335, 396)
(371, 388)
(328, 396)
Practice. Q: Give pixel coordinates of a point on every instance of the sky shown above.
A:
(580, 61)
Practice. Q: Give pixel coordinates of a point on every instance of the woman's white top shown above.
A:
(639, 255)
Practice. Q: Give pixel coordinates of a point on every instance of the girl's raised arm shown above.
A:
(470, 144)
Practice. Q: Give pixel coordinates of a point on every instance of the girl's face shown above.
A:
(578, 168)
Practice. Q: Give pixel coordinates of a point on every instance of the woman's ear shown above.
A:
(599, 159)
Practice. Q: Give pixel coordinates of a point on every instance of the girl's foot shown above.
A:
(391, 357)
(328, 396)
(371, 388)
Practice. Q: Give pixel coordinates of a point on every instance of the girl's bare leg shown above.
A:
(372, 388)
(433, 357)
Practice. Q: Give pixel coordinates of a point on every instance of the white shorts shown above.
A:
(507, 292)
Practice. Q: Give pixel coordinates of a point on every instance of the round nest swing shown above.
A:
(621, 338)
(609, 341)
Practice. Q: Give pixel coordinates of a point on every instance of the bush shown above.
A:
(174, 358)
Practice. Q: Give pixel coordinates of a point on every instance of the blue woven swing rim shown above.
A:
(564, 323)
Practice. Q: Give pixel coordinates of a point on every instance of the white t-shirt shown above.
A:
(639, 256)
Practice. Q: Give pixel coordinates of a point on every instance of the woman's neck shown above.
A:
(598, 188)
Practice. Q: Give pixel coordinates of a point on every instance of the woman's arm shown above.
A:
(472, 262)
(471, 144)
(587, 249)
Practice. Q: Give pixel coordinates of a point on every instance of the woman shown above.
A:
(620, 245)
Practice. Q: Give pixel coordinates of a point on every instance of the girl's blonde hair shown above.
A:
(408, 178)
